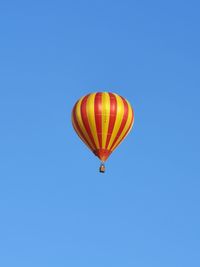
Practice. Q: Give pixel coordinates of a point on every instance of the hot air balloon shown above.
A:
(102, 120)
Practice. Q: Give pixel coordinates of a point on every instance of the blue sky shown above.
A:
(55, 208)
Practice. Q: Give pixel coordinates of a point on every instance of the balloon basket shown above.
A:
(102, 168)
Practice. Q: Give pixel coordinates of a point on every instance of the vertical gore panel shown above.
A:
(113, 114)
(118, 121)
(91, 118)
(78, 129)
(105, 117)
(85, 120)
(123, 123)
(98, 116)
(81, 123)
(126, 128)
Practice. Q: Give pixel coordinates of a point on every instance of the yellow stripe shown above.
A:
(118, 121)
(79, 134)
(80, 122)
(105, 117)
(91, 118)
(127, 125)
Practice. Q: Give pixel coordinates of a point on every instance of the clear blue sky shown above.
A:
(55, 208)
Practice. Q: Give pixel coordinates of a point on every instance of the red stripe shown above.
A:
(98, 116)
(125, 117)
(128, 128)
(85, 119)
(80, 133)
(113, 115)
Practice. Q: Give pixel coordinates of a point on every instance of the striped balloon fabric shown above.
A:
(102, 120)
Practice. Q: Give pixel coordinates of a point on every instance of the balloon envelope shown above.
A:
(102, 120)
